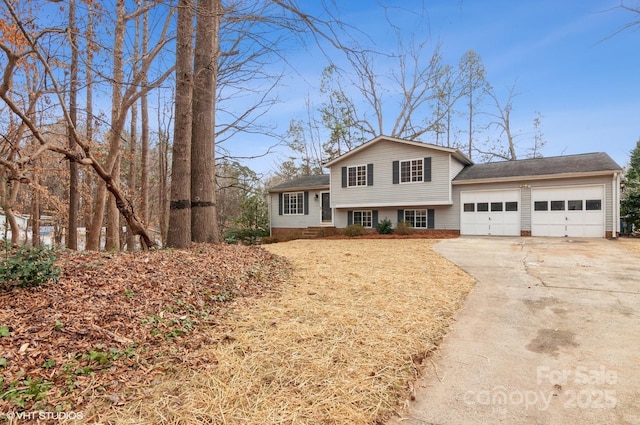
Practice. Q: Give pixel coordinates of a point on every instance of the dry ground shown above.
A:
(115, 322)
(633, 244)
(340, 343)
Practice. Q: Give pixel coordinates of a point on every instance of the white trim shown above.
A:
(297, 206)
(393, 204)
(532, 178)
(366, 177)
(450, 177)
(400, 161)
(426, 217)
(353, 216)
(326, 223)
(615, 206)
(301, 188)
(459, 155)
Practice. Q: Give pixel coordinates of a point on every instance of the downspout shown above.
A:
(451, 177)
(615, 206)
(270, 214)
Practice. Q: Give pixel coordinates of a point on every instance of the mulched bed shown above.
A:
(115, 322)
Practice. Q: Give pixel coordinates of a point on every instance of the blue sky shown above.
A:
(562, 55)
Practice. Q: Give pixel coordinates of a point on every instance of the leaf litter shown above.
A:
(115, 323)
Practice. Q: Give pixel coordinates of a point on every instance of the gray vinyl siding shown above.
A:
(383, 192)
(456, 167)
(441, 214)
(525, 196)
(295, 221)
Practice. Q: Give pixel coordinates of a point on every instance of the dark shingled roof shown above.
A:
(583, 163)
(305, 182)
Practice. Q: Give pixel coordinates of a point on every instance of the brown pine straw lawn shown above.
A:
(632, 244)
(339, 344)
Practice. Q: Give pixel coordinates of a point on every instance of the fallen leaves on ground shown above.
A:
(115, 322)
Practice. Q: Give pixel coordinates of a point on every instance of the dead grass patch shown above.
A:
(632, 244)
(339, 344)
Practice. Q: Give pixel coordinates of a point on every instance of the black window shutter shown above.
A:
(344, 176)
(306, 203)
(374, 218)
(427, 169)
(280, 196)
(349, 218)
(431, 219)
(400, 216)
(396, 172)
(369, 174)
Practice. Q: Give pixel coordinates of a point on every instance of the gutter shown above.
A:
(298, 189)
(534, 177)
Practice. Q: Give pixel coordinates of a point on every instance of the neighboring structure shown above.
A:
(440, 191)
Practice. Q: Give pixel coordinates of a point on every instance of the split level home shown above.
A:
(439, 190)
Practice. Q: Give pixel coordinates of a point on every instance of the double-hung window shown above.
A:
(364, 218)
(411, 171)
(357, 176)
(293, 203)
(417, 218)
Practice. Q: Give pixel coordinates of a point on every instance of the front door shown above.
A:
(326, 208)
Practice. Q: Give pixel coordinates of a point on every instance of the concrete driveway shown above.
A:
(550, 335)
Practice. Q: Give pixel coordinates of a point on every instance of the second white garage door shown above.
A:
(568, 211)
(490, 212)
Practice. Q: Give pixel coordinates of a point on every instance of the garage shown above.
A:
(490, 212)
(569, 211)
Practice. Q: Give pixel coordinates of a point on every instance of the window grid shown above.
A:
(357, 176)
(293, 203)
(363, 218)
(417, 218)
(411, 171)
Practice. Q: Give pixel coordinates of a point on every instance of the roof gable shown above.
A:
(455, 152)
(587, 163)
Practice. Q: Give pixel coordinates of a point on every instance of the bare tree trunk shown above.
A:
(133, 137)
(131, 178)
(112, 238)
(88, 179)
(144, 111)
(7, 190)
(74, 197)
(179, 232)
(163, 200)
(204, 224)
(114, 142)
(35, 215)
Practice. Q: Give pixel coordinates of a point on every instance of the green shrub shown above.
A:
(354, 230)
(245, 236)
(27, 266)
(384, 227)
(404, 228)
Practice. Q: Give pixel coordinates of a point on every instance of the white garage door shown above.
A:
(568, 211)
(490, 212)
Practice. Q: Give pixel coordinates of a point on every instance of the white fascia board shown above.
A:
(392, 204)
(533, 178)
